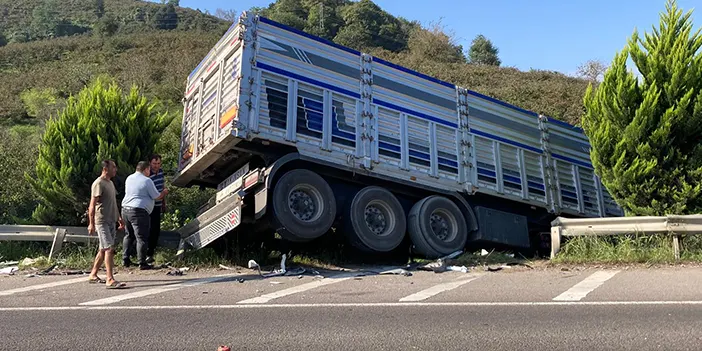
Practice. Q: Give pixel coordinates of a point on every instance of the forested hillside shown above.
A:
(49, 50)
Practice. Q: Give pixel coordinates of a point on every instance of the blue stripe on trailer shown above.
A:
(506, 141)
(572, 160)
(391, 106)
(564, 124)
(414, 113)
(308, 80)
(309, 36)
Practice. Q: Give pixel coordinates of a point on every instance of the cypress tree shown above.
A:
(100, 123)
(646, 131)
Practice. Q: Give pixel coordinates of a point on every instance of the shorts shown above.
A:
(107, 234)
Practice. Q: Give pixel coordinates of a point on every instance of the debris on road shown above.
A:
(462, 269)
(225, 267)
(397, 271)
(253, 264)
(175, 272)
(9, 270)
(223, 348)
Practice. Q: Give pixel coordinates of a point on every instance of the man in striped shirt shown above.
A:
(159, 207)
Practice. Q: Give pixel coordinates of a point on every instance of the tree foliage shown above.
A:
(482, 52)
(645, 132)
(166, 17)
(100, 123)
(592, 70)
(18, 150)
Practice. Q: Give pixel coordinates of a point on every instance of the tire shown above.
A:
(293, 218)
(376, 220)
(445, 212)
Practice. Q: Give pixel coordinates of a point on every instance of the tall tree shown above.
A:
(645, 132)
(227, 15)
(483, 52)
(101, 122)
(592, 70)
(367, 26)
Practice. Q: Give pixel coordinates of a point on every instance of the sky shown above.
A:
(556, 35)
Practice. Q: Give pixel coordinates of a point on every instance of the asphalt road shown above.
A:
(514, 309)
(361, 328)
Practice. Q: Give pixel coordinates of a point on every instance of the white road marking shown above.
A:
(154, 291)
(587, 285)
(297, 289)
(44, 286)
(358, 305)
(437, 289)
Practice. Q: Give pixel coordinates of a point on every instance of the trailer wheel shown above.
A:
(376, 221)
(304, 206)
(437, 227)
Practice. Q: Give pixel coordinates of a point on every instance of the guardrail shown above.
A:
(60, 235)
(672, 225)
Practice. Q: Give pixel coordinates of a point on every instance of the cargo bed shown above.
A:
(266, 81)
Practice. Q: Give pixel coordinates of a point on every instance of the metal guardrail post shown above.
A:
(57, 245)
(556, 233)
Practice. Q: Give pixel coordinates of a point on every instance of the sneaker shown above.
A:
(149, 260)
(127, 263)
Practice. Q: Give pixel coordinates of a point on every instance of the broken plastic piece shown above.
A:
(462, 269)
(453, 255)
(253, 264)
(398, 271)
(9, 270)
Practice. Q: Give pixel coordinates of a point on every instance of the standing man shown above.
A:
(137, 206)
(103, 216)
(159, 206)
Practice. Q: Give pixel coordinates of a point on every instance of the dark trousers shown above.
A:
(138, 226)
(155, 230)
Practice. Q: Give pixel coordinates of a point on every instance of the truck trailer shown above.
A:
(299, 134)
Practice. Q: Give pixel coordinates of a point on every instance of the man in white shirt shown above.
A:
(139, 197)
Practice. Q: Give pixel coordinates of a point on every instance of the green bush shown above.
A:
(100, 123)
(645, 131)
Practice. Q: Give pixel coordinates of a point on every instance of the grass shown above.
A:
(327, 255)
(650, 249)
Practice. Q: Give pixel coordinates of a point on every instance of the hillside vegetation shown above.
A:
(49, 50)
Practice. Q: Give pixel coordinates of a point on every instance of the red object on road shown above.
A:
(223, 348)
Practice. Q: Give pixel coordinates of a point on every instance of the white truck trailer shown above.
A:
(299, 134)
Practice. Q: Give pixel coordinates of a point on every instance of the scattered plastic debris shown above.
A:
(438, 266)
(276, 283)
(253, 264)
(175, 272)
(9, 263)
(397, 271)
(240, 280)
(484, 252)
(30, 275)
(462, 269)
(453, 255)
(225, 267)
(9, 270)
(223, 348)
